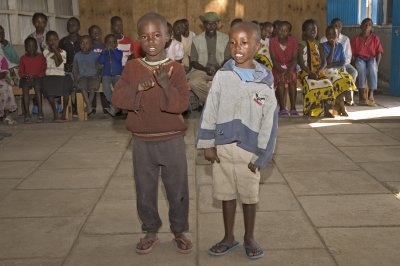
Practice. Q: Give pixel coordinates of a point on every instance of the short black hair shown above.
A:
(366, 20)
(115, 19)
(152, 15)
(51, 33)
(287, 23)
(334, 20)
(38, 15)
(85, 37)
(235, 21)
(255, 28)
(109, 36)
(330, 27)
(30, 39)
(76, 19)
(92, 28)
(308, 22)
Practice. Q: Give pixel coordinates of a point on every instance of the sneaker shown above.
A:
(35, 109)
(58, 108)
(110, 111)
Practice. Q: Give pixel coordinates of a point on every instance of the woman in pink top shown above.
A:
(367, 51)
(283, 49)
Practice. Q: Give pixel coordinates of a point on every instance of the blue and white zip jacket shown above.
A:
(241, 112)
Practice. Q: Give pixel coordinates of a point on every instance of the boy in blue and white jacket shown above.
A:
(240, 121)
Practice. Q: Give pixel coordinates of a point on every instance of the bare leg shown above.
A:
(65, 107)
(251, 246)
(38, 96)
(52, 103)
(88, 104)
(26, 100)
(92, 94)
(292, 95)
(280, 93)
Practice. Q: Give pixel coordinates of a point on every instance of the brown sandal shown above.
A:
(145, 245)
(183, 245)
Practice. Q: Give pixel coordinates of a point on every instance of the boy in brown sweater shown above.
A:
(155, 92)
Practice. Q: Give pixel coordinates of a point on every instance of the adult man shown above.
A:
(208, 52)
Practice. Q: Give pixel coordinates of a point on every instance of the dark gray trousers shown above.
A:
(169, 156)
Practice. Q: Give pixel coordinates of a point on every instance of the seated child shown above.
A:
(155, 92)
(86, 70)
(263, 56)
(367, 52)
(56, 83)
(283, 49)
(7, 99)
(98, 47)
(111, 60)
(173, 48)
(342, 81)
(238, 132)
(318, 93)
(32, 69)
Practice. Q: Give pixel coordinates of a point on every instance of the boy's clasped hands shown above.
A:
(162, 77)
(211, 155)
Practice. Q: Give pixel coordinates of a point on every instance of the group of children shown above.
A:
(239, 122)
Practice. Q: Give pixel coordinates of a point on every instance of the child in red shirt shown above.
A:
(32, 68)
(367, 51)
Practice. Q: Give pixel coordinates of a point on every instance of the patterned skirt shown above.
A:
(7, 99)
(316, 92)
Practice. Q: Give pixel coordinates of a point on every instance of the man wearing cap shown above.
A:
(208, 52)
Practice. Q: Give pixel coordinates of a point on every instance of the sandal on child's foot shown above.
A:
(9, 121)
(183, 244)
(222, 248)
(293, 112)
(145, 245)
(283, 112)
(40, 119)
(254, 251)
(27, 120)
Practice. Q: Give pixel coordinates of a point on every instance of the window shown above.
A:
(18, 15)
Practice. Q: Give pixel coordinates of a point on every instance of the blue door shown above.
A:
(395, 56)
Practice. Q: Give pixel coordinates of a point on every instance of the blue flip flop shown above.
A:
(253, 250)
(229, 248)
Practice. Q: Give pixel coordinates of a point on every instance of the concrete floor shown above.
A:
(328, 198)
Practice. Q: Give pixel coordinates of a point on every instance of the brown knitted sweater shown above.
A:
(152, 114)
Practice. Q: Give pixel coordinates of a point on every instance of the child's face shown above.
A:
(31, 47)
(266, 32)
(243, 46)
(73, 26)
(52, 42)
(366, 27)
(111, 42)
(117, 27)
(40, 24)
(85, 44)
(153, 36)
(95, 34)
(331, 35)
(283, 31)
(338, 25)
(311, 31)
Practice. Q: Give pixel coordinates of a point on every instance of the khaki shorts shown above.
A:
(232, 177)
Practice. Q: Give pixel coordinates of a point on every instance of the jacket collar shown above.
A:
(261, 75)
